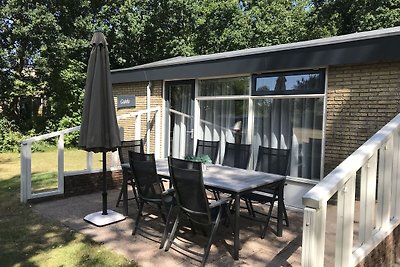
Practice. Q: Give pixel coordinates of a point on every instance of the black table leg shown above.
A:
(236, 244)
(280, 210)
(124, 194)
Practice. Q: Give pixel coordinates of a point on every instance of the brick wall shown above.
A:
(360, 100)
(387, 253)
(81, 184)
(139, 89)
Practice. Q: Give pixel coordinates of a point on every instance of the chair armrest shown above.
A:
(169, 191)
(125, 166)
(219, 202)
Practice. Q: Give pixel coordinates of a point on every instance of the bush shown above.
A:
(70, 139)
(10, 138)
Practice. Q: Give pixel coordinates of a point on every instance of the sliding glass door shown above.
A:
(180, 108)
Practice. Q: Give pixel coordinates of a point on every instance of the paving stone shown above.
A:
(144, 246)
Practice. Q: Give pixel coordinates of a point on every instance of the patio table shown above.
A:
(236, 182)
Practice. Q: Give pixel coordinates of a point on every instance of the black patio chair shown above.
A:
(209, 148)
(132, 145)
(192, 202)
(236, 155)
(150, 188)
(276, 161)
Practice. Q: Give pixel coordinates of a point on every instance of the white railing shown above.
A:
(377, 164)
(26, 153)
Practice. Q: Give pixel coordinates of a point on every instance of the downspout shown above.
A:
(148, 105)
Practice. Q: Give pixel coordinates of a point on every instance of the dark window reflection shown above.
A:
(289, 83)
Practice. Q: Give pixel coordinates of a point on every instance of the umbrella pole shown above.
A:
(104, 217)
(104, 184)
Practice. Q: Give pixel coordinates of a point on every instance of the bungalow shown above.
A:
(320, 98)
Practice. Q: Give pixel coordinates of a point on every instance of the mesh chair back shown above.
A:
(132, 145)
(273, 160)
(236, 155)
(145, 174)
(209, 148)
(187, 179)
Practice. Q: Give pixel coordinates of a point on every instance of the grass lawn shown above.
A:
(27, 239)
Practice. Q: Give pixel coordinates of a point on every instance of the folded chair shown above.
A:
(192, 202)
(271, 160)
(150, 188)
(133, 145)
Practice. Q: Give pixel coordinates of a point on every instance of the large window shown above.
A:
(288, 116)
(284, 109)
(223, 119)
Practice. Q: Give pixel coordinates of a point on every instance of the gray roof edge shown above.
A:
(352, 37)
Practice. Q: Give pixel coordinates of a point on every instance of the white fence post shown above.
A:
(345, 223)
(384, 185)
(367, 199)
(396, 172)
(89, 161)
(26, 175)
(138, 126)
(313, 243)
(60, 175)
(157, 134)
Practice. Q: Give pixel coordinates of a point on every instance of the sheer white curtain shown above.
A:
(224, 121)
(181, 127)
(291, 123)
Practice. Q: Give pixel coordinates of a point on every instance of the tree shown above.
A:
(42, 61)
(221, 26)
(338, 17)
(277, 22)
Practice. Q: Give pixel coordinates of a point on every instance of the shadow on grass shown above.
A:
(27, 238)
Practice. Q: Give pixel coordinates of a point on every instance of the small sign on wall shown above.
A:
(126, 101)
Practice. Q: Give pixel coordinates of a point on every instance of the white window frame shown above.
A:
(250, 123)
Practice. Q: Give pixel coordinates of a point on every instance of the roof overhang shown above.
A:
(356, 48)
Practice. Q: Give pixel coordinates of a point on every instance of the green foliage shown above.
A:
(342, 17)
(205, 159)
(44, 45)
(10, 138)
(70, 139)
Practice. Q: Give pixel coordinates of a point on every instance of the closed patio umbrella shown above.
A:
(99, 129)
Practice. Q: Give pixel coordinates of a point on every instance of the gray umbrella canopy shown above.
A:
(99, 128)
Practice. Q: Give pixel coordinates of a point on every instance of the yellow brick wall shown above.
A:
(360, 100)
(139, 89)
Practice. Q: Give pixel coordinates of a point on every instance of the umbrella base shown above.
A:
(98, 219)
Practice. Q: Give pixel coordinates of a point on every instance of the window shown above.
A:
(286, 112)
(224, 87)
(290, 83)
(292, 121)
